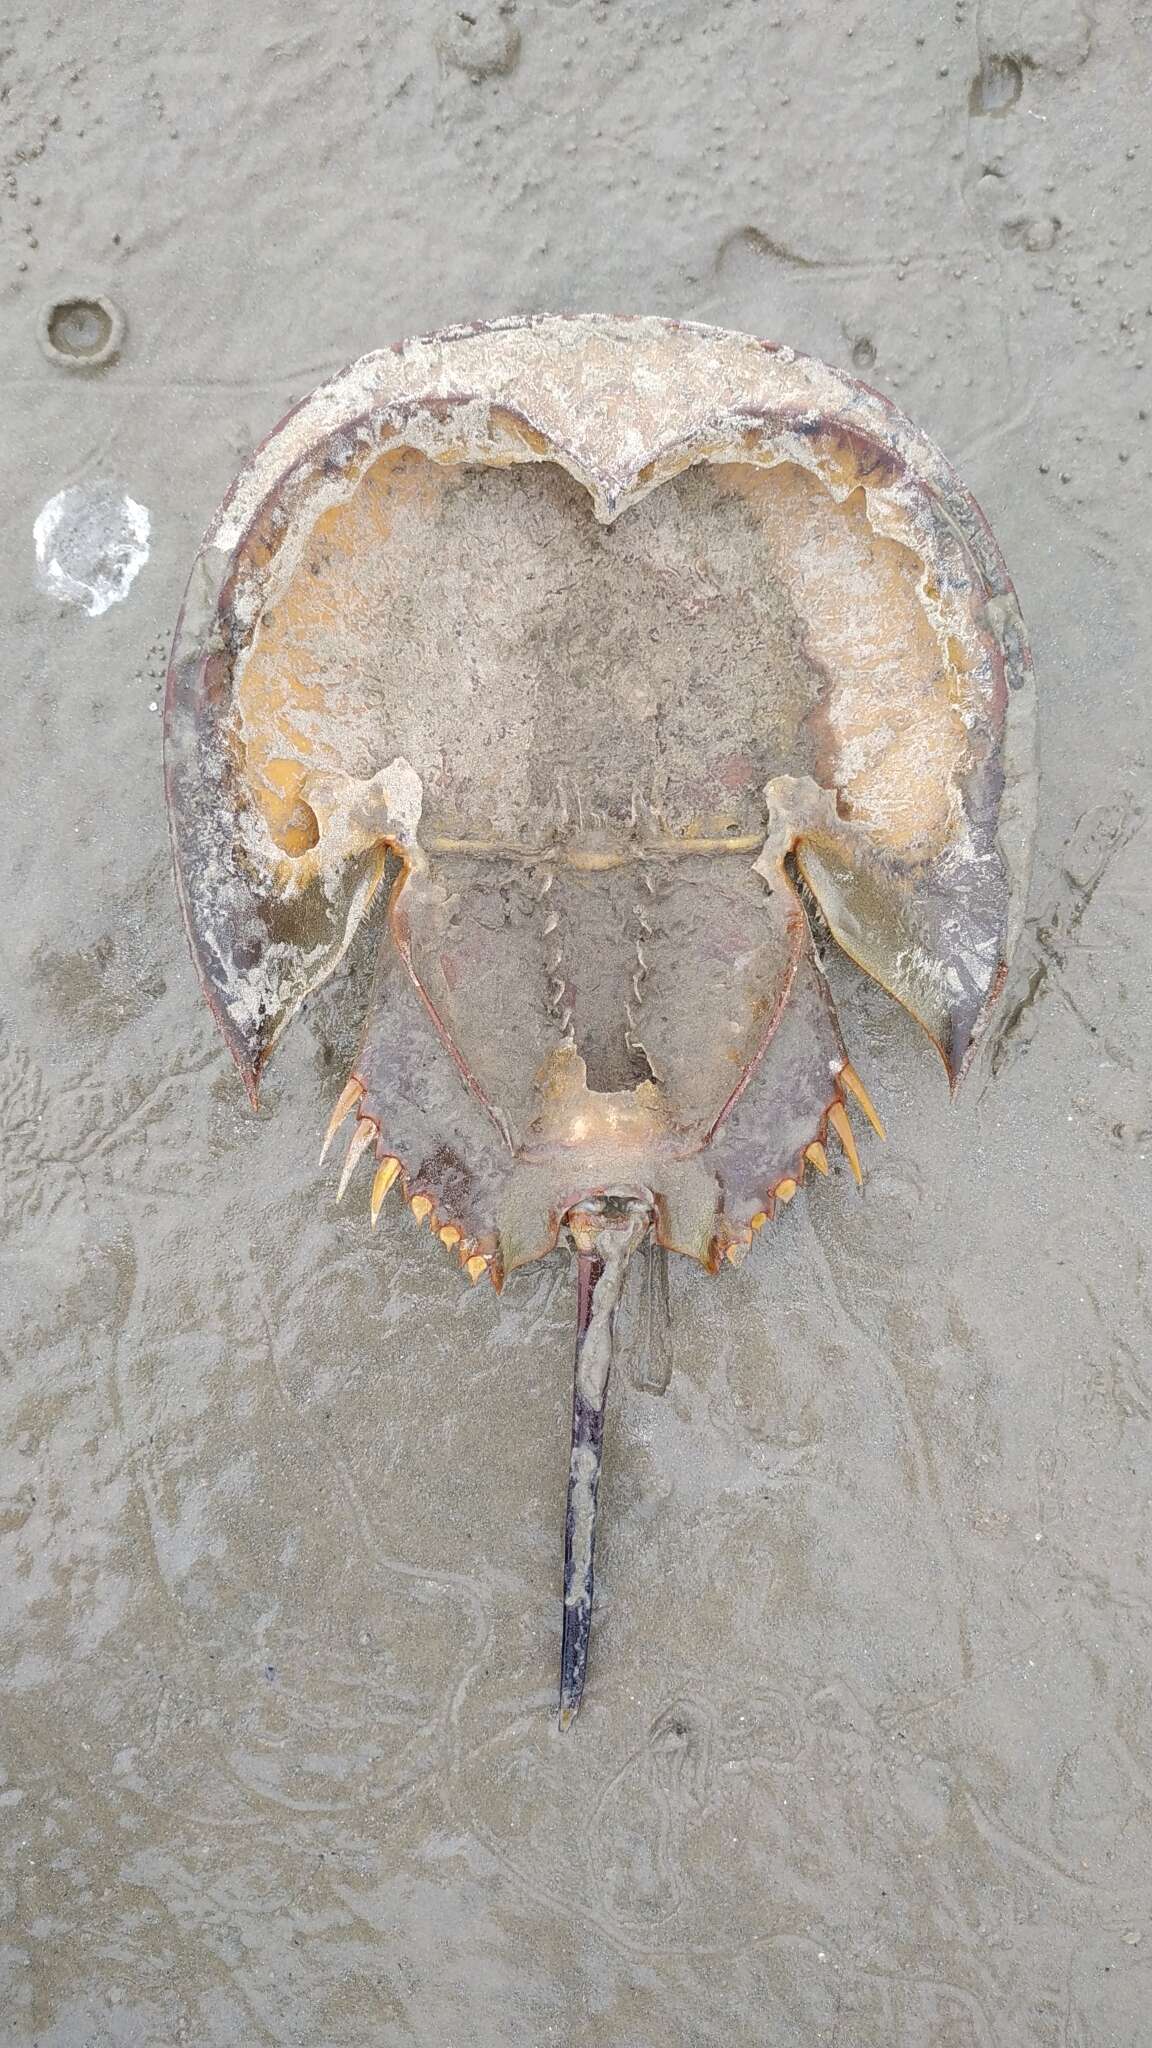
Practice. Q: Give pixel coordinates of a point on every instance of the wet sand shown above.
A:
(866, 1756)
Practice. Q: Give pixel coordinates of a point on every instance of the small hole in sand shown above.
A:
(997, 86)
(864, 353)
(81, 333)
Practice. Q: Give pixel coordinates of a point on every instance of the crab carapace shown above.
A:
(626, 642)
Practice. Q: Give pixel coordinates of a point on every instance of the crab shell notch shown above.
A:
(616, 644)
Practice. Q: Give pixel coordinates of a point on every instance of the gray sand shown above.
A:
(866, 1757)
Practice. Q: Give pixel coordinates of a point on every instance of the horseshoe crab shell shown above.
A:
(625, 642)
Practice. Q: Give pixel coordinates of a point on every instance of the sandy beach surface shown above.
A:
(866, 1757)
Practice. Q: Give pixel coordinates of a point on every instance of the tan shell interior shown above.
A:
(742, 619)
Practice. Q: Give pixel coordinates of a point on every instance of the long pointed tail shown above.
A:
(605, 1235)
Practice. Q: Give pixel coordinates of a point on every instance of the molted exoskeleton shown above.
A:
(623, 638)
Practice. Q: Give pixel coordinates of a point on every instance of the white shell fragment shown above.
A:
(91, 544)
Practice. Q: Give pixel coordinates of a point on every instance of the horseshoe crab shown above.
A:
(631, 648)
